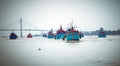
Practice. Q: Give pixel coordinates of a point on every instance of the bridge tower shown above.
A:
(20, 27)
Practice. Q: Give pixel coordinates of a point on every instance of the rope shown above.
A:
(30, 25)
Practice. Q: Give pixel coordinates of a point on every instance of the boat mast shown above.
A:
(71, 24)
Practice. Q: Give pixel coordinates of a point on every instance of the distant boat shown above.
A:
(29, 35)
(13, 36)
(101, 33)
(44, 35)
(81, 34)
(50, 34)
(59, 33)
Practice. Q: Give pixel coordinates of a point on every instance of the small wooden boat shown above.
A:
(29, 35)
(44, 35)
(13, 36)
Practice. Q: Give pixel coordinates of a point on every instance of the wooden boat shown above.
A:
(13, 36)
(29, 35)
(44, 35)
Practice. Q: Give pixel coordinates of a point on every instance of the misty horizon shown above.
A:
(86, 15)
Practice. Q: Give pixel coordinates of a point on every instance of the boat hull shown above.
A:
(50, 36)
(13, 37)
(44, 35)
(101, 35)
(58, 36)
(72, 37)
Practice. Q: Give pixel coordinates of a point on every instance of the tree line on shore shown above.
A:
(108, 32)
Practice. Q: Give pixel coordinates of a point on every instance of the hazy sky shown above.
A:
(46, 14)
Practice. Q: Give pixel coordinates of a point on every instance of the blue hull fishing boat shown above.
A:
(81, 34)
(50, 34)
(101, 33)
(72, 35)
(44, 35)
(13, 36)
(58, 36)
(59, 33)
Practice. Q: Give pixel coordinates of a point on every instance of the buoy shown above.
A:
(39, 49)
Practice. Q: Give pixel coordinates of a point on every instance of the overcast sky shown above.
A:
(87, 15)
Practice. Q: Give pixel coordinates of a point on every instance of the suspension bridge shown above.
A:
(22, 23)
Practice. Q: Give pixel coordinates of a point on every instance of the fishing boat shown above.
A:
(72, 35)
(51, 34)
(13, 36)
(81, 34)
(59, 33)
(29, 35)
(101, 33)
(44, 35)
